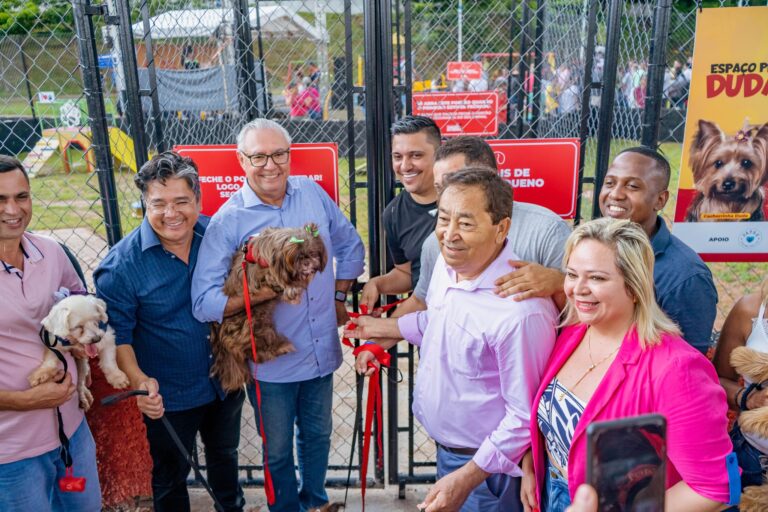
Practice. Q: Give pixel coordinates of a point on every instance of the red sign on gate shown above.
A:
(221, 174)
(542, 171)
(464, 71)
(460, 113)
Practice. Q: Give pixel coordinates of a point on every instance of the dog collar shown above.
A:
(252, 256)
(51, 340)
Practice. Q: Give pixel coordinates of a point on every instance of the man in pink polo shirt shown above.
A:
(33, 268)
(482, 355)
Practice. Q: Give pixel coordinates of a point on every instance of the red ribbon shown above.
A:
(268, 487)
(364, 312)
(374, 392)
(374, 400)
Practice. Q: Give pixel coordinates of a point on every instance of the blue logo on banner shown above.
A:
(106, 61)
(750, 238)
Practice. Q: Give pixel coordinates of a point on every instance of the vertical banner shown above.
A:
(221, 174)
(721, 207)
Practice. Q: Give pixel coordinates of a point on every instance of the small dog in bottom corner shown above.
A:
(752, 365)
(729, 173)
(76, 320)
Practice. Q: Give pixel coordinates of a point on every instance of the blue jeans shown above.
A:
(303, 407)
(499, 492)
(219, 425)
(749, 459)
(556, 496)
(33, 484)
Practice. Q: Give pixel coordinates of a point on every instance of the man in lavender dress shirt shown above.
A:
(482, 355)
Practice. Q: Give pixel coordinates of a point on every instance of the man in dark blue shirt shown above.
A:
(635, 187)
(145, 280)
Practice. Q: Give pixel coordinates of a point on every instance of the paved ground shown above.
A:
(376, 500)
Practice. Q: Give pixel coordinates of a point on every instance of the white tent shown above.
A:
(276, 21)
(324, 6)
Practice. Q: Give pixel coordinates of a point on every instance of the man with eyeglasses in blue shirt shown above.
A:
(296, 388)
(145, 281)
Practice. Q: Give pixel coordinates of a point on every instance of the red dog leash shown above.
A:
(268, 487)
(374, 394)
(374, 400)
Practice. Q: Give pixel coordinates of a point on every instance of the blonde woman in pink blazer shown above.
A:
(618, 356)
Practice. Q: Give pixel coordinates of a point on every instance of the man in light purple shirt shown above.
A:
(482, 355)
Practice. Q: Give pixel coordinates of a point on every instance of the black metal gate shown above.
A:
(371, 55)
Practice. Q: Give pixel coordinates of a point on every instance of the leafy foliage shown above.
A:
(24, 17)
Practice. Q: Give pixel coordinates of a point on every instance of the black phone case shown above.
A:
(596, 429)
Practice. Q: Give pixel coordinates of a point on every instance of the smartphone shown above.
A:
(626, 463)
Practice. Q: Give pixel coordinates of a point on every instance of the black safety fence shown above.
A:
(89, 90)
(195, 74)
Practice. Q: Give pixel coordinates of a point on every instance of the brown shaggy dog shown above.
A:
(753, 365)
(729, 173)
(285, 260)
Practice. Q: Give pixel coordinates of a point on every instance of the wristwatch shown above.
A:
(340, 296)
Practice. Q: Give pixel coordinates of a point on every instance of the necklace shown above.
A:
(592, 366)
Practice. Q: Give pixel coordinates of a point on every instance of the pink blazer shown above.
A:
(672, 379)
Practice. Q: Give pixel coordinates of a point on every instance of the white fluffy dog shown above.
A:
(76, 320)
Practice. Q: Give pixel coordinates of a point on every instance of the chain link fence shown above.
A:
(732, 279)
(43, 122)
(534, 55)
(214, 64)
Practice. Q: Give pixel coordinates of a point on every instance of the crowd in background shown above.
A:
(301, 92)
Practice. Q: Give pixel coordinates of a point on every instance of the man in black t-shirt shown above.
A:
(410, 217)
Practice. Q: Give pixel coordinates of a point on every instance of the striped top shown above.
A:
(558, 414)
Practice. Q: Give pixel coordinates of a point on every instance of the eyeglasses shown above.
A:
(179, 204)
(260, 160)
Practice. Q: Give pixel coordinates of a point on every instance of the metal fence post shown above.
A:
(378, 118)
(133, 107)
(607, 98)
(244, 59)
(656, 68)
(522, 98)
(586, 100)
(265, 104)
(97, 117)
(408, 57)
(538, 48)
(514, 28)
(160, 142)
(25, 68)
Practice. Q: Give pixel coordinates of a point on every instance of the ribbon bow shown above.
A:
(743, 135)
(312, 232)
(295, 240)
(364, 312)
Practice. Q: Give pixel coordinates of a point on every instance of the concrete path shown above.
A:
(376, 500)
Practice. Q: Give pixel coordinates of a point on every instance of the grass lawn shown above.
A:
(68, 201)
